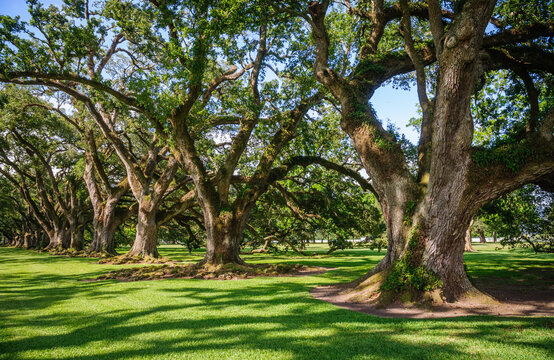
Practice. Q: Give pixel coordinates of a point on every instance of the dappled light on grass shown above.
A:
(47, 313)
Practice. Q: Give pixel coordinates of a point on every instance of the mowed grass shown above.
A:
(46, 312)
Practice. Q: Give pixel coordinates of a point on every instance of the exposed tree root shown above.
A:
(219, 272)
(370, 291)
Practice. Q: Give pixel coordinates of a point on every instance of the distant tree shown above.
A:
(41, 153)
(523, 218)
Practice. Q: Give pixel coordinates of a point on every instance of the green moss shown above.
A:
(410, 208)
(512, 156)
(379, 141)
(368, 65)
(408, 274)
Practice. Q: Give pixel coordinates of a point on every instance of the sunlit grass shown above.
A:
(47, 313)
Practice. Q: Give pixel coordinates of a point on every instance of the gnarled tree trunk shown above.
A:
(105, 224)
(146, 237)
(426, 216)
(223, 236)
(58, 237)
(105, 220)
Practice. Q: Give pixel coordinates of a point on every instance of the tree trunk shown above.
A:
(482, 238)
(76, 234)
(431, 259)
(57, 236)
(66, 236)
(443, 255)
(468, 246)
(103, 238)
(56, 241)
(105, 223)
(146, 238)
(494, 236)
(29, 241)
(223, 236)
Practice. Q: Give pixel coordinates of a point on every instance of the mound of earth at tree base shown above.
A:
(75, 253)
(125, 259)
(209, 272)
(513, 304)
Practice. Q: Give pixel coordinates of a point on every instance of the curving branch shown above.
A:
(125, 99)
(280, 172)
(229, 75)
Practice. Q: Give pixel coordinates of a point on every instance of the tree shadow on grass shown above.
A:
(279, 318)
(256, 318)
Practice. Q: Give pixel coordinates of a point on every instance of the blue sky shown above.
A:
(394, 105)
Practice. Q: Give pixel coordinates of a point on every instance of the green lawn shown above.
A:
(47, 313)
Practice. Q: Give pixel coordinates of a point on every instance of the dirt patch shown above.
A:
(513, 304)
(223, 272)
(124, 260)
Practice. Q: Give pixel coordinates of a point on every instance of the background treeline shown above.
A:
(64, 188)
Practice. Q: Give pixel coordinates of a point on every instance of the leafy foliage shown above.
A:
(523, 218)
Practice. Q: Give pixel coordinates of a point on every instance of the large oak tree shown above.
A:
(448, 46)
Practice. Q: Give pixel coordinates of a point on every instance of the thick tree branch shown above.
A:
(426, 124)
(519, 34)
(280, 172)
(229, 75)
(125, 99)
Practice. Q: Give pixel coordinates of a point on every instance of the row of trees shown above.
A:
(71, 189)
(208, 96)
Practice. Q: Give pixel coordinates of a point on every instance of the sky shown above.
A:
(391, 105)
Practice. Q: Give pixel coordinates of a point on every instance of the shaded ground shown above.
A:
(522, 287)
(224, 272)
(532, 306)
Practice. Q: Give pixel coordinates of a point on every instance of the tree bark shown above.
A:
(28, 241)
(146, 238)
(105, 218)
(66, 236)
(468, 246)
(223, 236)
(77, 240)
(105, 223)
(58, 237)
